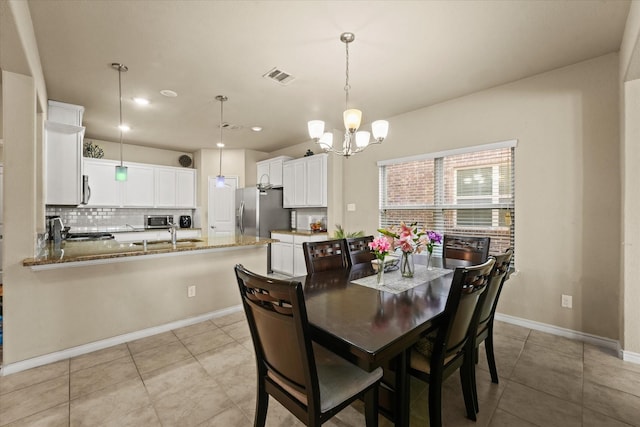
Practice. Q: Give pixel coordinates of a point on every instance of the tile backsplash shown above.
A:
(104, 218)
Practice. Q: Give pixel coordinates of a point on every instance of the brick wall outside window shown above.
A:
(409, 193)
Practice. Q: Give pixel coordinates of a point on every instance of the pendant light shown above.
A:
(121, 170)
(220, 177)
(354, 141)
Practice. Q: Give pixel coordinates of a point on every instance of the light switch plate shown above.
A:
(351, 207)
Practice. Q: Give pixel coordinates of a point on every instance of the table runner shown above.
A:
(394, 283)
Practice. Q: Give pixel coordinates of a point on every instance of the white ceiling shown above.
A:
(407, 55)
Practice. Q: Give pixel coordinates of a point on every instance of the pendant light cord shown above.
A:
(221, 115)
(222, 99)
(346, 84)
(120, 93)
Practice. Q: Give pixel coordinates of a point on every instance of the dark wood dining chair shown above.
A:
(359, 252)
(463, 251)
(450, 347)
(488, 309)
(325, 255)
(313, 383)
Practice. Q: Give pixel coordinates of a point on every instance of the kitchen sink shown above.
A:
(179, 242)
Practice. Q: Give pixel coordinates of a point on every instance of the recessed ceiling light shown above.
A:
(168, 93)
(124, 128)
(219, 145)
(141, 101)
(256, 128)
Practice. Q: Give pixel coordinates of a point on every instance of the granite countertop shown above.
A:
(301, 232)
(73, 252)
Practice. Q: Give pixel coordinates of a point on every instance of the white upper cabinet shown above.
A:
(146, 185)
(139, 188)
(270, 171)
(165, 187)
(305, 182)
(63, 135)
(175, 187)
(186, 188)
(105, 190)
(316, 180)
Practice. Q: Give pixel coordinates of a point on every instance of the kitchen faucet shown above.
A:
(173, 229)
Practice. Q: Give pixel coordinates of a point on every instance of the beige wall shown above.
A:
(207, 161)
(630, 176)
(139, 154)
(631, 212)
(567, 185)
(48, 311)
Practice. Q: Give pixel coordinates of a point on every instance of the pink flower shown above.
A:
(380, 246)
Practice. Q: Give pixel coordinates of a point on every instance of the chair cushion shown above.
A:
(339, 379)
(422, 351)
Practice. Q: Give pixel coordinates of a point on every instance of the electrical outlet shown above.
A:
(567, 301)
(351, 207)
(191, 291)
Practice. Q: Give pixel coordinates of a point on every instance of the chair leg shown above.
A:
(474, 386)
(491, 360)
(371, 406)
(262, 404)
(435, 402)
(467, 383)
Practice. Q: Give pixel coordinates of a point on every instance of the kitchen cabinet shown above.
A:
(305, 182)
(287, 256)
(60, 112)
(139, 187)
(165, 187)
(273, 169)
(105, 190)
(63, 163)
(175, 187)
(146, 185)
(185, 188)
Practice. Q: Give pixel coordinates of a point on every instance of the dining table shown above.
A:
(376, 325)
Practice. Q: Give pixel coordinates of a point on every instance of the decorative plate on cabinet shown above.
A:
(185, 161)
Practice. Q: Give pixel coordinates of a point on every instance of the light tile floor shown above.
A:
(204, 375)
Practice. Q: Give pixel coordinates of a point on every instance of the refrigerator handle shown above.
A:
(241, 216)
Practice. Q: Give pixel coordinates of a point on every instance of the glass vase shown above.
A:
(407, 267)
(429, 260)
(380, 272)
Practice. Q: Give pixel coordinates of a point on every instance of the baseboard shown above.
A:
(629, 356)
(109, 342)
(556, 330)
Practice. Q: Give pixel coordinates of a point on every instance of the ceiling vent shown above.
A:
(281, 77)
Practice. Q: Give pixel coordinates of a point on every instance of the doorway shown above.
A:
(221, 207)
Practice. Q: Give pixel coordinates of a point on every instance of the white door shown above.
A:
(222, 204)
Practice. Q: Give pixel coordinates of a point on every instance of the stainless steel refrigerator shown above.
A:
(257, 213)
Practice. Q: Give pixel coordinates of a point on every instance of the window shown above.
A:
(463, 192)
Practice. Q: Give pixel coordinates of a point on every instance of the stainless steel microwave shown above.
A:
(158, 221)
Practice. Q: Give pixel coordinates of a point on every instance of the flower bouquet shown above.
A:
(380, 247)
(410, 239)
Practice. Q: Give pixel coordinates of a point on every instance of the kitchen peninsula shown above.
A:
(79, 305)
(100, 251)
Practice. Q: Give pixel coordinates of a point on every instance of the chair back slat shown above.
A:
(359, 252)
(464, 251)
(468, 285)
(498, 276)
(277, 319)
(325, 255)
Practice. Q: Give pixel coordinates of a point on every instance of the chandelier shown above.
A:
(354, 140)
